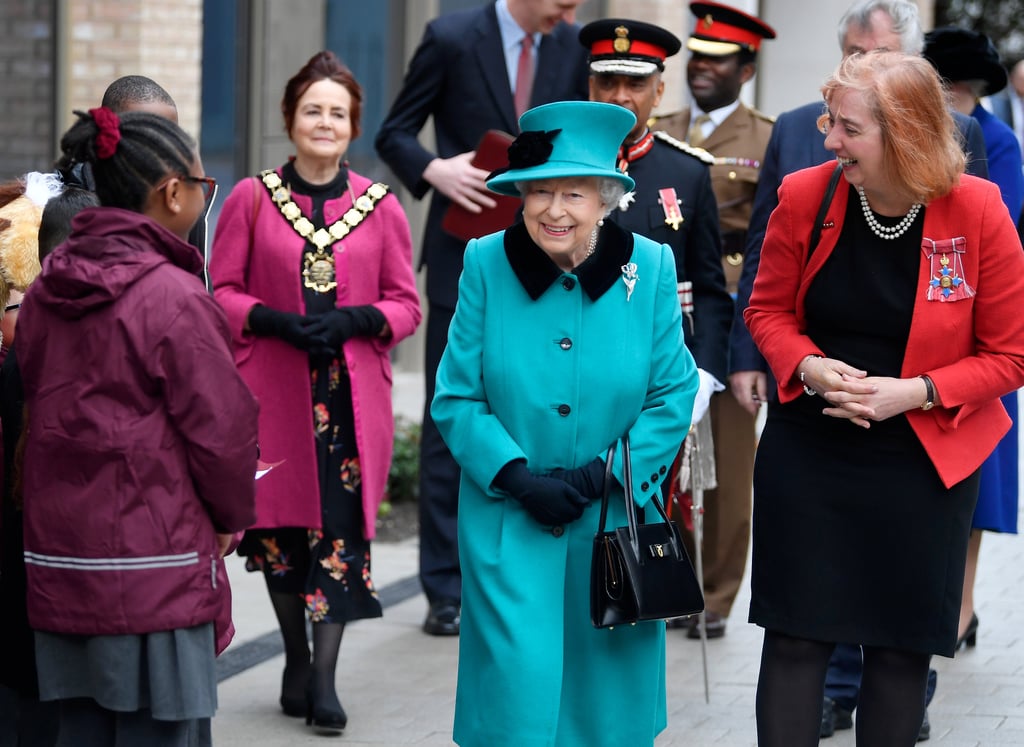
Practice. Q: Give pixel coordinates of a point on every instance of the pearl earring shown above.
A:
(600, 222)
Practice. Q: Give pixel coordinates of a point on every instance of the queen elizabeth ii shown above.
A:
(566, 338)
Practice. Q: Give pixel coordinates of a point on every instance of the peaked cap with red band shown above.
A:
(622, 47)
(722, 30)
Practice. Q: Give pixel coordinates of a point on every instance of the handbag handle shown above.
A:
(825, 203)
(631, 521)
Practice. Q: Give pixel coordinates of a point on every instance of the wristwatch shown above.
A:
(929, 399)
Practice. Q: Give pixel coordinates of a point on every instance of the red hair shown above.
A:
(923, 156)
(322, 66)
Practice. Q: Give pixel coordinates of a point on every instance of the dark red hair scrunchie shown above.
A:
(109, 134)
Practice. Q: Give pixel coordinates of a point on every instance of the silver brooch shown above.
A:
(629, 277)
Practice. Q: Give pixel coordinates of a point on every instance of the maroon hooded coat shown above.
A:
(141, 436)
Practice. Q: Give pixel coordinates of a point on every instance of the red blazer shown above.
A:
(972, 348)
(259, 262)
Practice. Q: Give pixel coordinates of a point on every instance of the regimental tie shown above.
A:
(696, 134)
(524, 76)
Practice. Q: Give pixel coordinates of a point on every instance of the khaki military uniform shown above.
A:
(738, 145)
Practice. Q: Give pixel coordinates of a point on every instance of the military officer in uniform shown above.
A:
(673, 202)
(723, 56)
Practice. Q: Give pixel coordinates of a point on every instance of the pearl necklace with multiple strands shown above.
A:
(887, 232)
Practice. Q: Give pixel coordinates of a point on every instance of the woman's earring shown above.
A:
(600, 222)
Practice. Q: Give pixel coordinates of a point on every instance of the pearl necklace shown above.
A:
(887, 232)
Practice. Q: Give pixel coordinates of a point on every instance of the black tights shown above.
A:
(299, 671)
(791, 685)
(291, 619)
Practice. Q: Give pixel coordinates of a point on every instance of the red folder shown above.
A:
(491, 154)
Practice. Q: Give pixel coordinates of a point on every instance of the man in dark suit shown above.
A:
(466, 75)
(797, 143)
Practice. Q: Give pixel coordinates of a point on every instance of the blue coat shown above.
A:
(554, 367)
(999, 490)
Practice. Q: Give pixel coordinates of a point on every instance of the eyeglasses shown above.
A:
(12, 307)
(208, 182)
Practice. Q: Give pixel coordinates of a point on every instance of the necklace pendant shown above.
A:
(318, 271)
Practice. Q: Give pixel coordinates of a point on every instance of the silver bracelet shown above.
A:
(807, 389)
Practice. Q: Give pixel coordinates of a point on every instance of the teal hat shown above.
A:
(566, 139)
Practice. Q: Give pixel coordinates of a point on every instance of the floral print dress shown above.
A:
(329, 567)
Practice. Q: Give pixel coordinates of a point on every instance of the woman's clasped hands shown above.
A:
(857, 397)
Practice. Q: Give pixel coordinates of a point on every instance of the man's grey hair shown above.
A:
(906, 22)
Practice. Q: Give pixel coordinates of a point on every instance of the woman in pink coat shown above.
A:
(313, 264)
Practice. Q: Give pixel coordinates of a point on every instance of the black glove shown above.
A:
(547, 500)
(295, 329)
(334, 328)
(588, 480)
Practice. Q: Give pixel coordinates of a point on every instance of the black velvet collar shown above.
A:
(596, 274)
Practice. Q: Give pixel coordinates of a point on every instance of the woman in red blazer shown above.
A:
(892, 341)
(313, 265)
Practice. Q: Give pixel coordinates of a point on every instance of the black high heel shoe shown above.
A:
(325, 720)
(294, 705)
(970, 637)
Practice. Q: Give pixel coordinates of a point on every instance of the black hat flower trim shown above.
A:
(531, 148)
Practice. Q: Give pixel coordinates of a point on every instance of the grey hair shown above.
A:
(906, 22)
(609, 189)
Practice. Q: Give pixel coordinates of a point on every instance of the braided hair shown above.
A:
(129, 154)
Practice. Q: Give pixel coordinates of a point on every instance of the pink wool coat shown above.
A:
(258, 261)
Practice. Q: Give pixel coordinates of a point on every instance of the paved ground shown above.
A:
(398, 685)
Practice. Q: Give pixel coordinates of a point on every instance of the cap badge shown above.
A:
(621, 43)
(708, 21)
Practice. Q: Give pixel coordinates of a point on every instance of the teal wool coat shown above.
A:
(554, 367)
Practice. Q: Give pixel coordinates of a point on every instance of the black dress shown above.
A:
(855, 539)
(330, 566)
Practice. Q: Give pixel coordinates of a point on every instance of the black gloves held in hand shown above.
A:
(320, 335)
(588, 480)
(546, 499)
(295, 329)
(332, 329)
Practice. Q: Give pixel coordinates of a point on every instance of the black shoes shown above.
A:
(443, 619)
(294, 684)
(834, 717)
(926, 728)
(714, 623)
(970, 637)
(326, 718)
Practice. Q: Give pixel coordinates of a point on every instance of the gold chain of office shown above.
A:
(318, 265)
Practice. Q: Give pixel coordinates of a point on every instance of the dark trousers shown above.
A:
(440, 575)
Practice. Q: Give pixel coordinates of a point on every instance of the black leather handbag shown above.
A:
(639, 571)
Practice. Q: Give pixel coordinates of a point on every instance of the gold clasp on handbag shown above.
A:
(657, 550)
